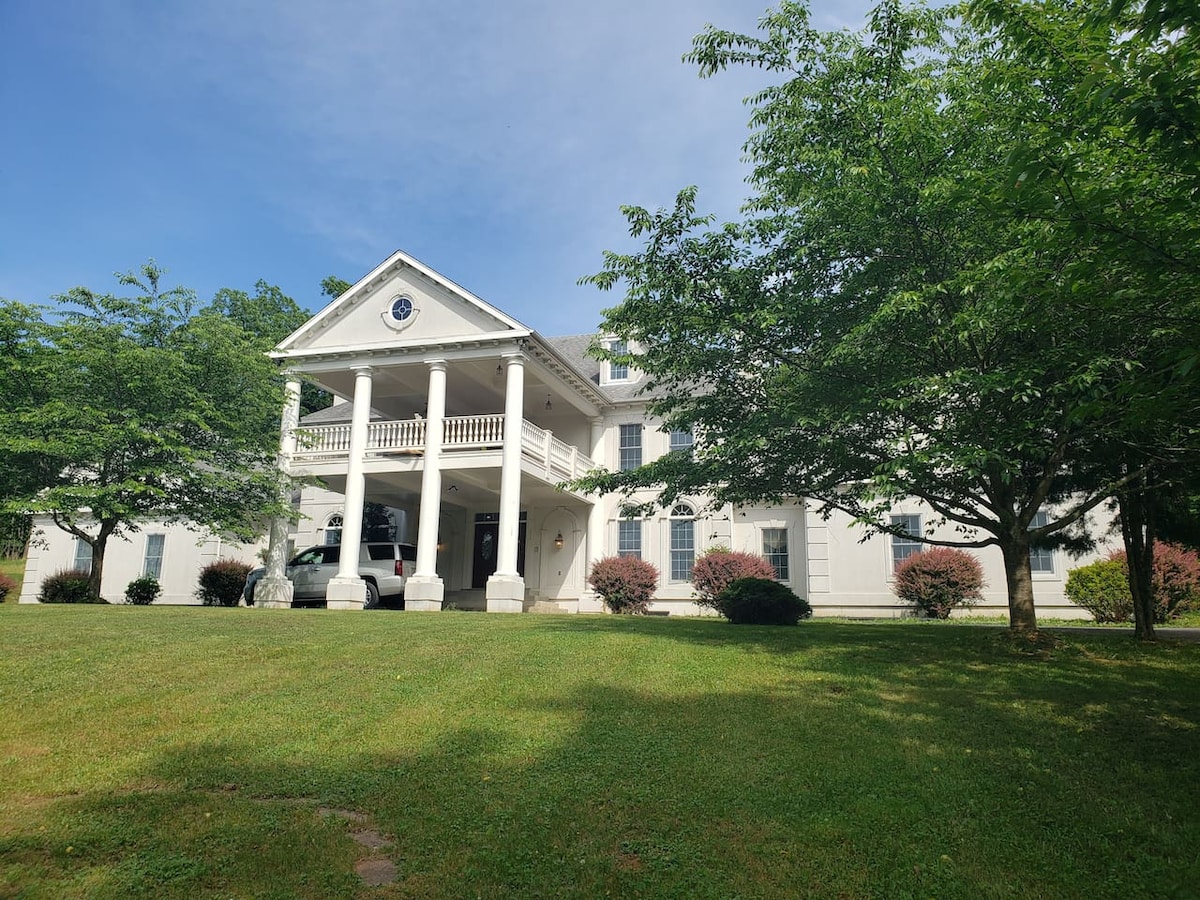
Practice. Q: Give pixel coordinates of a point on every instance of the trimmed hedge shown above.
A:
(626, 583)
(761, 601)
(938, 580)
(720, 567)
(221, 582)
(67, 586)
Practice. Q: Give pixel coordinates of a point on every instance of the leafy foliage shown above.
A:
(221, 582)
(136, 407)
(626, 583)
(939, 580)
(7, 586)
(68, 586)
(1102, 588)
(761, 601)
(143, 590)
(954, 281)
(717, 568)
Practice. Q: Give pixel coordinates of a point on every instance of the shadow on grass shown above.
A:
(860, 763)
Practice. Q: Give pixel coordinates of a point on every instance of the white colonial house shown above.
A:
(459, 425)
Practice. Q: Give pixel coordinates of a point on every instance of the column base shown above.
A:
(590, 602)
(274, 593)
(424, 593)
(505, 594)
(346, 593)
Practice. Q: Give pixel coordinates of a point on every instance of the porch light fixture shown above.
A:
(558, 541)
(549, 405)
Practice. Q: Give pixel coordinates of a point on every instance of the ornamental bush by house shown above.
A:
(67, 586)
(625, 583)
(142, 591)
(1102, 588)
(221, 582)
(761, 601)
(7, 586)
(719, 567)
(939, 580)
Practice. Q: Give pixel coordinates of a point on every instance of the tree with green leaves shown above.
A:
(884, 322)
(136, 407)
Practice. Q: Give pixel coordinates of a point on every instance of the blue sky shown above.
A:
(288, 140)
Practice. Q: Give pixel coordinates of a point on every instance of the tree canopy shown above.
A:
(124, 408)
(958, 279)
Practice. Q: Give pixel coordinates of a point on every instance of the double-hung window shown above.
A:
(681, 441)
(152, 563)
(83, 555)
(629, 538)
(618, 371)
(775, 550)
(683, 542)
(1041, 559)
(906, 543)
(629, 449)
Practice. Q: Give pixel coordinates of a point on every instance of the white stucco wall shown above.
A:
(185, 553)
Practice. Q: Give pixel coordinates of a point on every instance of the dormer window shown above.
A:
(618, 371)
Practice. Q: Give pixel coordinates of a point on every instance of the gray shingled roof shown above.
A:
(573, 348)
(338, 414)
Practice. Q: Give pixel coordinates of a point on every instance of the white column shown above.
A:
(589, 600)
(274, 590)
(425, 589)
(346, 589)
(506, 588)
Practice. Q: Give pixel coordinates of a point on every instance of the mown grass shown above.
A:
(184, 752)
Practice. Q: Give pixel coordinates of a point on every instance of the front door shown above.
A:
(487, 539)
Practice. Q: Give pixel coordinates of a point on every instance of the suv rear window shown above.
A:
(380, 551)
(408, 552)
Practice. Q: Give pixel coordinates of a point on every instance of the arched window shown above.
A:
(333, 529)
(683, 542)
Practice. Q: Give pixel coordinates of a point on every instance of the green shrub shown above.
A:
(7, 586)
(625, 583)
(937, 580)
(221, 582)
(142, 591)
(67, 586)
(761, 601)
(1102, 588)
(719, 567)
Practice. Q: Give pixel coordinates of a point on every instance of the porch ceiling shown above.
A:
(469, 489)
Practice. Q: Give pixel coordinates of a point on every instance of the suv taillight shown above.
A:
(400, 567)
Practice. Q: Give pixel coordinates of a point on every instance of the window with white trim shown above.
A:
(683, 542)
(681, 441)
(152, 563)
(618, 371)
(1041, 559)
(83, 555)
(906, 546)
(333, 530)
(775, 550)
(629, 447)
(629, 538)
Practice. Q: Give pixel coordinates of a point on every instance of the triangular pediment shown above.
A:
(401, 302)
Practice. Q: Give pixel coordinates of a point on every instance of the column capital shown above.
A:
(436, 364)
(363, 369)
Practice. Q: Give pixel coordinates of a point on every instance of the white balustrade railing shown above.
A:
(559, 459)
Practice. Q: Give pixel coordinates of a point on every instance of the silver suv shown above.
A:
(385, 567)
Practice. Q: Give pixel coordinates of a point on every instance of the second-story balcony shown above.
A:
(406, 437)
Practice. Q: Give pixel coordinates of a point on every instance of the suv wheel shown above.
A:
(372, 596)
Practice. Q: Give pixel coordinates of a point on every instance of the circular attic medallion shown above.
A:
(400, 311)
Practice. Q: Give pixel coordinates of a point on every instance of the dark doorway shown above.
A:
(487, 539)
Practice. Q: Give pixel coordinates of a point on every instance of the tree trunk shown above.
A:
(1137, 530)
(1019, 577)
(99, 545)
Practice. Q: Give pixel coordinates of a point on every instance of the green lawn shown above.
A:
(189, 752)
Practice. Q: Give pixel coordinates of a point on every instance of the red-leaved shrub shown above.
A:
(939, 579)
(719, 567)
(625, 583)
(221, 582)
(7, 586)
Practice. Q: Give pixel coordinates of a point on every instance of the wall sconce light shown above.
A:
(549, 405)
(558, 541)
